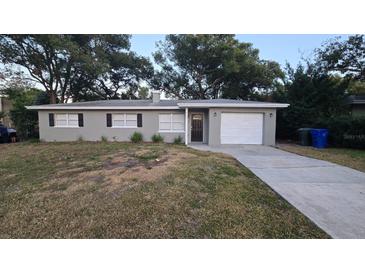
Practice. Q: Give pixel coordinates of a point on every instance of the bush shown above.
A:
(344, 131)
(104, 139)
(25, 121)
(157, 138)
(178, 140)
(136, 137)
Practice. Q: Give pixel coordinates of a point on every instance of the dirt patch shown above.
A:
(145, 171)
(119, 172)
(118, 163)
(69, 172)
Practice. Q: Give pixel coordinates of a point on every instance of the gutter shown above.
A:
(45, 107)
(179, 106)
(237, 105)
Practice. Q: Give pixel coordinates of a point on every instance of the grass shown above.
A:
(120, 190)
(354, 158)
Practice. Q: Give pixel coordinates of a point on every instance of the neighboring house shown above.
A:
(357, 104)
(5, 107)
(213, 122)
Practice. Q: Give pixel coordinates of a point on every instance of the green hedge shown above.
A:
(157, 138)
(344, 131)
(136, 137)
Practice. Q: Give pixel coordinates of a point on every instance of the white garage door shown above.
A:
(242, 128)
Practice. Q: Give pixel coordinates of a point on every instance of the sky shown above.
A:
(281, 48)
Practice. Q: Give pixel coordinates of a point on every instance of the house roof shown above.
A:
(356, 99)
(162, 104)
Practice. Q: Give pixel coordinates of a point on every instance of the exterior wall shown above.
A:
(205, 123)
(358, 110)
(95, 127)
(215, 124)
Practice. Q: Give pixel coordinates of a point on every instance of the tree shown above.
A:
(253, 79)
(312, 96)
(356, 87)
(143, 93)
(11, 78)
(211, 66)
(76, 66)
(126, 71)
(25, 121)
(345, 57)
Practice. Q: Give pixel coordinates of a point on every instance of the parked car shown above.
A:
(7, 135)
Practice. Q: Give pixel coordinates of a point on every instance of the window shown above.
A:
(125, 120)
(171, 122)
(66, 120)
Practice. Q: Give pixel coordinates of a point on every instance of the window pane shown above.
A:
(131, 123)
(165, 126)
(61, 122)
(118, 123)
(73, 123)
(118, 116)
(178, 126)
(61, 116)
(165, 118)
(74, 117)
(178, 117)
(132, 117)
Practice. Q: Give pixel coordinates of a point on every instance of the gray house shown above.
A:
(357, 105)
(212, 122)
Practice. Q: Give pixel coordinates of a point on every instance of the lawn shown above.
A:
(354, 158)
(119, 190)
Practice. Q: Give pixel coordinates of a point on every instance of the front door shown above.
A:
(197, 127)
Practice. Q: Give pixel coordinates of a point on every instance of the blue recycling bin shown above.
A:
(319, 137)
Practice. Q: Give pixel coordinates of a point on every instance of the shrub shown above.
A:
(80, 139)
(25, 121)
(136, 137)
(157, 138)
(344, 131)
(104, 139)
(178, 140)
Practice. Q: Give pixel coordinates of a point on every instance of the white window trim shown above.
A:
(125, 120)
(171, 122)
(67, 120)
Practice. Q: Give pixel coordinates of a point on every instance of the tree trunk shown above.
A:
(53, 97)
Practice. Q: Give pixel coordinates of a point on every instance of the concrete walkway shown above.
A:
(332, 196)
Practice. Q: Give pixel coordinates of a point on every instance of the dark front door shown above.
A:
(197, 127)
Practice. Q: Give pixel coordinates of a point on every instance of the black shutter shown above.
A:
(81, 120)
(139, 120)
(51, 119)
(109, 120)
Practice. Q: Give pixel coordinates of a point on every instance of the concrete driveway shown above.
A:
(332, 196)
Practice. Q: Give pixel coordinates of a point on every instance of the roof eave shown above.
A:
(45, 107)
(234, 105)
(179, 106)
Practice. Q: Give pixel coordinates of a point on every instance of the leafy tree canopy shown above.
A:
(211, 66)
(312, 96)
(356, 87)
(25, 121)
(80, 67)
(345, 57)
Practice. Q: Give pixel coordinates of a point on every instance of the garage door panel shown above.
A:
(241, 128)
